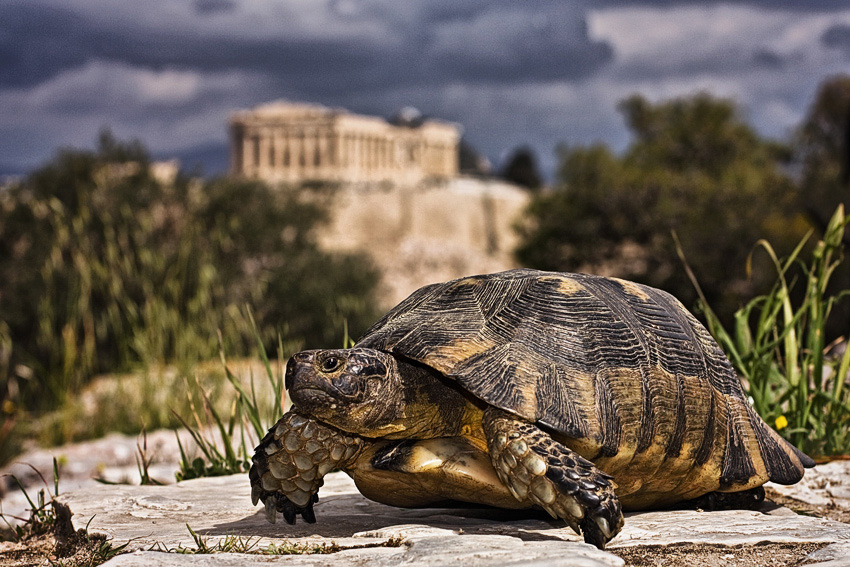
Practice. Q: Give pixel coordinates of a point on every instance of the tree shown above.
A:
(822, 152)
(694, 168)
(521, 169)
(822, 148)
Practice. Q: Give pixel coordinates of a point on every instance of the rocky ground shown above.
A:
(803, 525)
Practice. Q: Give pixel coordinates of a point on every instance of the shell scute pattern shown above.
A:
(622, 370)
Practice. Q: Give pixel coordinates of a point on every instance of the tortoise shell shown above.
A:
(621, 372)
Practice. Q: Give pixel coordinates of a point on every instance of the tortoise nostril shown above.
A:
(292, 365)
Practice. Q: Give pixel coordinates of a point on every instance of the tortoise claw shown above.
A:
(271, 509)
(288, 510)
(308, 514)
(596, 531)
(540, 471)
(602, 523)
(277, 502)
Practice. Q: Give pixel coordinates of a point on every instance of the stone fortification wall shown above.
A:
(429, 232)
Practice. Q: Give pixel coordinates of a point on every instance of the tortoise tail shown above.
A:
(784, 462)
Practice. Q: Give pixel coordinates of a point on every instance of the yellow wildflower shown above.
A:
(781, 422)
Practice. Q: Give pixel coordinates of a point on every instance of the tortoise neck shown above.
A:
(433, 406)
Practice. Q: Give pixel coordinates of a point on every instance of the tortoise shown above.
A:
(578, 394)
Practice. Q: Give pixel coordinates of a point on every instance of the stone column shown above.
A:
(350, 154)
(344, 152)
(247, 154)
(338, 145)
(326, 146)
(334, 151)
(263, 161)
(319, 160)
(255, 154)
(318, 156)
(359, 153)
(285, 158)
(375, 155)
(278, 151)
(310, 150)
(298, 159)
(384, 155)
(354, 162)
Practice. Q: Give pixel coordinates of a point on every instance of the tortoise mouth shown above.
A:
(311, 396)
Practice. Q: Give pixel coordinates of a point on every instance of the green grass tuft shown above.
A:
(779, 346)
(228, 449)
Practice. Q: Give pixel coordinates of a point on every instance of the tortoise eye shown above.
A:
(331, 363)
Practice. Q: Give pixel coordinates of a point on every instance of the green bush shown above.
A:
(105, 268)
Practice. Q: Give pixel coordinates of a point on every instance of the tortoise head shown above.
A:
(358, 390)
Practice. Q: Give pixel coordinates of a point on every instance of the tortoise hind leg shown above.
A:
(538, 469)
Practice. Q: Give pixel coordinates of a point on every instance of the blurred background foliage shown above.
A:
(697, 172)
(822, 153)
(105, 267)
(693, 167)
(108, 268)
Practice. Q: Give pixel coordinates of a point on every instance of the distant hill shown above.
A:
(207, 160)
(8, 171)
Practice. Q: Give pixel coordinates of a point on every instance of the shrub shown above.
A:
(104, 267)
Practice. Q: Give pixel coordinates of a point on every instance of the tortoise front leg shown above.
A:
(291, 461)
(542, 471)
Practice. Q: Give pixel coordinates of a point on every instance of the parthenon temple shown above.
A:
(293, 142)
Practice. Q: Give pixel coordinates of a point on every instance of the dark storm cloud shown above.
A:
(728, 62)
(767, 59)
(214, 6)
(837, 37)
(807, 6)
(448, 44)
(510, 45)
(537, 71)
(37, 42)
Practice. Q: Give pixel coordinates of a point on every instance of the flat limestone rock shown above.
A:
(825, 485)
(835, 555)
(155, 518)
(470, 551)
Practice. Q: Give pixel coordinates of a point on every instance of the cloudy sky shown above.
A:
(531, 72)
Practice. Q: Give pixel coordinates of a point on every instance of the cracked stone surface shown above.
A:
(835, 555)
(825, 485)
(155, 517)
